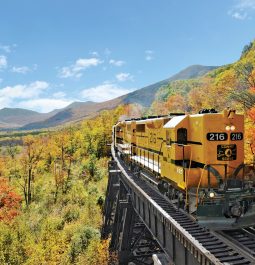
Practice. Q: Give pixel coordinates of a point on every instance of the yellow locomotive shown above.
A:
(196, 160)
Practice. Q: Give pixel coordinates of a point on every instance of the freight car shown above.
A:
(197, 161)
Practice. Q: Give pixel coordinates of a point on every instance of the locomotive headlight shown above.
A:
(228, 128)
(232, 127)
(211, 194)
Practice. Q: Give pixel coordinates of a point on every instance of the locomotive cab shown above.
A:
(205, 159)
(224, 197)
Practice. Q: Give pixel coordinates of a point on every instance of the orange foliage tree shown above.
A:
(9, 201)
(159, 108)
(251, 128)
(133, 110)
(176, 103)
(196, 99)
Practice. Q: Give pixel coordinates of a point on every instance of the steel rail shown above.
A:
(243, 238)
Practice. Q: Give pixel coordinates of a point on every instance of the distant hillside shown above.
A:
(192, 71)
(226, 86)
(16, 117)
(26, 119)
(74, 112)
(145, 96)
(79, 104)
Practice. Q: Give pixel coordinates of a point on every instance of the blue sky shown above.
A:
(56, 52)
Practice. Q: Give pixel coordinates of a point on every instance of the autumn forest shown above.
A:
(53, 183)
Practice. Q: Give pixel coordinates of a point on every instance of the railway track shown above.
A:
(218, 246)
(244, 239)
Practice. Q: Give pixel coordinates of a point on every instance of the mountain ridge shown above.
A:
(79, 110)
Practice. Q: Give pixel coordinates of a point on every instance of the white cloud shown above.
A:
(85, 63)
(5, 102)
(21, 69)
(116, 63)
(59, 94)
(104, 92)
(29, 96)
(3, 62)
(94, 53)
(75, 70)
(243, 4)
(44, 104)
(24, 91)
(149, 55)
(5, 48)
(239, 16)
(124, 77)
(11, 95)
(243, 9)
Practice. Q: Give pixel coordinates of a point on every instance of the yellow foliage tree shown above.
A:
(176, 103)
(30, 158)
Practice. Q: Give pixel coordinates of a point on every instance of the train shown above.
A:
(196, 160)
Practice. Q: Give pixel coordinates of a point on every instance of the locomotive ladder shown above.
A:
(145, 228)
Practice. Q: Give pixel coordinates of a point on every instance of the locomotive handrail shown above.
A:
(187, 178)
(213, 170)
(198, 186)
(237, 170)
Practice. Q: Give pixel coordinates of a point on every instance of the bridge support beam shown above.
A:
(110, 199)
(130, 238)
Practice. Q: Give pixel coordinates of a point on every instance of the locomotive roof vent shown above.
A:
(204, 111)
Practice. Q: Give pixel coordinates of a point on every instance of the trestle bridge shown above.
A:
(145, 228)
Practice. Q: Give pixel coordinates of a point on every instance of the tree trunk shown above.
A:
(29, 195)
